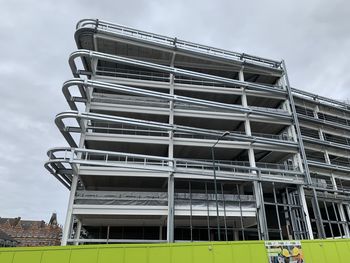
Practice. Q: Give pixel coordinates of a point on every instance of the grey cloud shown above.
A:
(37, 37)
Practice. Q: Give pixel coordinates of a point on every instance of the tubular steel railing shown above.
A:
(98, 118)
(90, 56)
(110, 128)
(168, 97)
(225, 169)
(146, 101)
(175, 42)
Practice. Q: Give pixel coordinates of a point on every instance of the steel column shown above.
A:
(302, 152)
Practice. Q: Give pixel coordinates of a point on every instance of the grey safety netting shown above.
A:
(160, 199)
(121, 198)
(202, 201)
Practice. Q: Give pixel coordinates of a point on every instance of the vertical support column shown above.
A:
(161, 232)
(69, 217)
(326, 155)
(170, 220)
(240, 190)
(297, 160)
(305, 211)
(341, 209)
(328, 161)
(287, 216)
(347, 211)
(77, 232)
(347, 207)
(318, 215)
(235, 235)
(257, 184)
(171, 190)
(320, 131)
(296, 124)
(317, 211)
(67, 229)
(343, 219)
(259, 198)
(276, 209)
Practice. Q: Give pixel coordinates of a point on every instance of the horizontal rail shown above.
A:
(321, 121)
(155, 196)
(87, 54)
(329, 166)
(316, 141)
(316, 98)
(230, 170)
(158, 126)
(174, 42)
(167, 97)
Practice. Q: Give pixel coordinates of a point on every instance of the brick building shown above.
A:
(32, 233)
(6, 240)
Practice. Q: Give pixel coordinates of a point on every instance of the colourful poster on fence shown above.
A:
(284, 251)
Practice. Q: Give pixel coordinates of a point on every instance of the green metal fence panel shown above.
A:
(326, 251)
(217, 252)
(161, 252)
(115, 254)
(55, 256)
(27, 256)
(6, 257)
(315, 251)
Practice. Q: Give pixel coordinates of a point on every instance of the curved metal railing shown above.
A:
(275, 113)
(229, 170)
(154, 126)
(106, 127)
(154, 102)
(344, 167)
(343, 105)
(93, 55)
(105, 26)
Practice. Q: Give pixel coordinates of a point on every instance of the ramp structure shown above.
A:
(176, 141)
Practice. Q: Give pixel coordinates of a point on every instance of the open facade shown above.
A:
(176, 141)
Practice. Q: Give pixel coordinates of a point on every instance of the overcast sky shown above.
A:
(37, 37)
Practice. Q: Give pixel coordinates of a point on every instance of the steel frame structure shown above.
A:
(145, 110)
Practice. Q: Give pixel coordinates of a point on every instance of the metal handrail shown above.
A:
(226, 163)
(313, 97)
(151, 76)
(158, 196)
(132, 100)
(326, 142)
(321, 121)
(175, 42)
(156, 126)
(166, 97)
(145, 101)
(89, 157)
(88, 54)
(282, 137)
(158, 76)
(331, 166)
(106, 127)
(130, 131)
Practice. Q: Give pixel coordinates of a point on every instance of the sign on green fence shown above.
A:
(284, 251)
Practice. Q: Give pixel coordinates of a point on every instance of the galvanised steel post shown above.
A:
(215, 186)
(303, 154)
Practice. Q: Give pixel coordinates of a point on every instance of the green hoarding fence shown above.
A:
(315, 251)
(327, 251)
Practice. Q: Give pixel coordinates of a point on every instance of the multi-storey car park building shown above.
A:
(175, 141)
